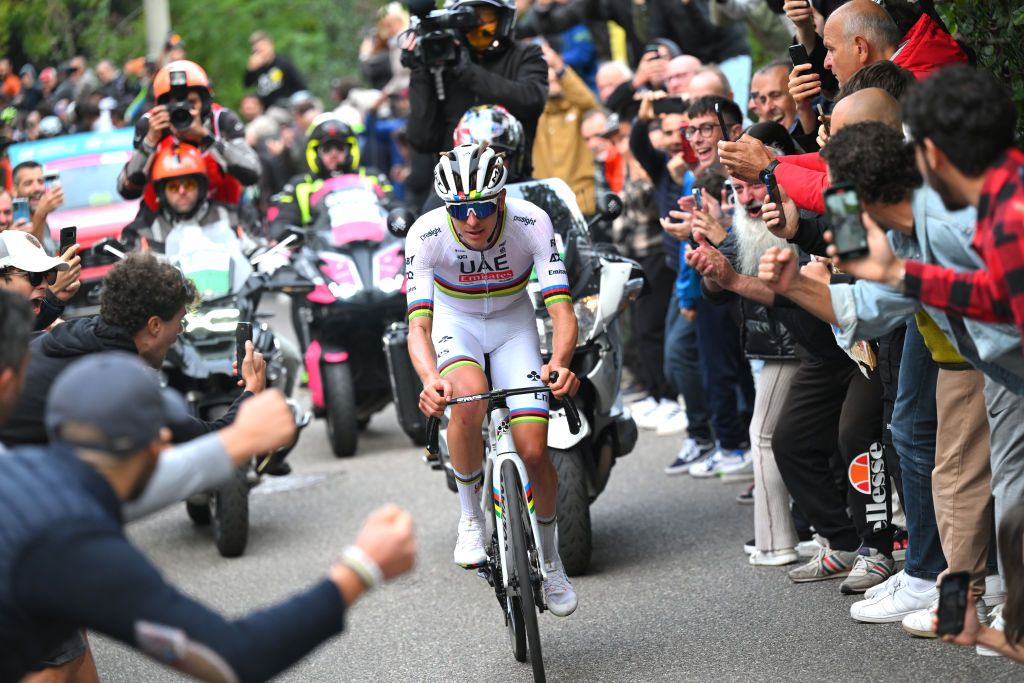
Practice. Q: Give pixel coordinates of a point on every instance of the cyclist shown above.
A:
(476, 253)
(215, 130)
(331, 150)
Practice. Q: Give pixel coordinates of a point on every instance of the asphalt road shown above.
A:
(669, 597)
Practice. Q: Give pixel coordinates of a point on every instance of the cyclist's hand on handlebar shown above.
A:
(434, 397)
(567, 384)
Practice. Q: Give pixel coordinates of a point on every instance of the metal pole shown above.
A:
(158, 24)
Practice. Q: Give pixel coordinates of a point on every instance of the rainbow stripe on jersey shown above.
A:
(420, 308)
(483, 289)
(556, 293)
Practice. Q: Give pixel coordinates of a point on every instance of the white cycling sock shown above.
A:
(919, 585)
(469, 492)
(549, 537)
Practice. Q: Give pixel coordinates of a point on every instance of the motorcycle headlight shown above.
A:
(588, 317)
(214, 321)
(342, 290)
(391, 284)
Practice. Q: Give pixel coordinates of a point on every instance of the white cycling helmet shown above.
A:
(470, 173)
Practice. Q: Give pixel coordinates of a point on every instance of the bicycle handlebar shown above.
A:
(572, 414)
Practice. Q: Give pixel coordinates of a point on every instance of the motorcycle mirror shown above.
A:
(279, 247)
(399, 221)
(110, 246)
(609, 206)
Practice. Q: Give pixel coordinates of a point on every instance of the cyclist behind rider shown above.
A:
(185, 112)
(468, 267)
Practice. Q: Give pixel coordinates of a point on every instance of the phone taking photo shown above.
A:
(669, 105)
(798, 55)
(952, 603)
(243, 333)
(21, 210)
(68, 237)
(51, 179)
(772, 186)
(722, 123)
(842, 206)
(824, 119)
(698, 198)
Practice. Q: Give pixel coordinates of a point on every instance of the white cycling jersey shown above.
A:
(478, 299)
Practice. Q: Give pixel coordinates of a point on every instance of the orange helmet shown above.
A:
(178, 78)
(179, 161)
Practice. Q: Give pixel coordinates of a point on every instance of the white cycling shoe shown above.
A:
(469, 549)
(558, 592)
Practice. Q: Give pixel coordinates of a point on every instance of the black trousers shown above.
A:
(649, 327)
(832, 403)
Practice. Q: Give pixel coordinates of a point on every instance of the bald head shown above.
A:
(679, 72)
(856, 34)
(869, 104)
(709, 80)
(611, 75)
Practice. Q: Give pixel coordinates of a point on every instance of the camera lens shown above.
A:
(181, 116)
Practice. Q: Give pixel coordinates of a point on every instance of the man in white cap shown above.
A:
(46, 281)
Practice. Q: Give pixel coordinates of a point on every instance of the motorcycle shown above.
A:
(603, 285)
(358, 271)
(199, 365)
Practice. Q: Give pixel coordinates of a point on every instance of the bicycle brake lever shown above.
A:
(433, 428)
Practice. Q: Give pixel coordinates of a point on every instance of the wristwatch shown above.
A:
(770, 168)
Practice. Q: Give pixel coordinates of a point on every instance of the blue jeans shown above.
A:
(913, 434)
(682, 369)
(727, 382)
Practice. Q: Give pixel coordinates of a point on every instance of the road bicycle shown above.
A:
(515, 558)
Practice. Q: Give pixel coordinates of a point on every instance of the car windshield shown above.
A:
(211, 256)
(87, 186)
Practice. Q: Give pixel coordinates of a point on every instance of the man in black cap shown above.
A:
(67, 564)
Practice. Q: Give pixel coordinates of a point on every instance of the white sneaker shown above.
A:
(690, 452)
(708, 467)
(772, 558)
(558, 592)
(920, 623)
(469, 549)
(673, 421)
(737, 465)
(655, 418)
(642, 410)
(998, 624)
(884, 586)
(805, 550)
(894, 603)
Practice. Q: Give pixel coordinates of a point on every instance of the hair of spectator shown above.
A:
(771, 66)
(870, 22)
(16, 322)
(714, 69)
(21, 167)
(887, 75)
(711, 179)
(904, 13)
(259, 36)
(706, 105)
(1011, 549)
(140, 287)
(615, 65)
(875, 159)
(966, 112)
(593, 113)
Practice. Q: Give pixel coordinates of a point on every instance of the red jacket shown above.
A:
(926, 47)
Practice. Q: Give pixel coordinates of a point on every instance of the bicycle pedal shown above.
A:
(431, 461)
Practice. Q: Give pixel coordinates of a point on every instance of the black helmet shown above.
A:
(329, 126)
(506, 18)
(492, 123)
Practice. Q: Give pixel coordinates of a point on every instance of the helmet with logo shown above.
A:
(180, 77)
(330, 127)
(484, 38)
(470, 173)
(178, 162)
(493, 124)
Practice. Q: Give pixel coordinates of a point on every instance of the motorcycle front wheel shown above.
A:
(340, 395)
(229, 513)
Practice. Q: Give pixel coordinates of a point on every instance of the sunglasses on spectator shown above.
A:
(480, 209)
(35, 279)
(188, 184)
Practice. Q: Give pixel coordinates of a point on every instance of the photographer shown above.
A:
(186, 112)
(478, 64)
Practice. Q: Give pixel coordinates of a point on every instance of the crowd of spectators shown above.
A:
(871, 396)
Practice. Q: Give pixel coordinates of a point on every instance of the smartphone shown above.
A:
(21, 210)
(689, 156)
(51, 179)
(824, 121)
(68, 237)
(721, 122)
(698, 198)
(669, 105)
(842, 206)
(652, 47)
(243, 333)
(953, 603)
(798, 55)
(772, 186)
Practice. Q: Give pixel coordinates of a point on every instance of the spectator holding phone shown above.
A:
(7, 219)
(43, 199)
(275, 77)
(45, 281)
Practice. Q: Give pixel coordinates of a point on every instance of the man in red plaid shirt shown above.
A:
(962, 123)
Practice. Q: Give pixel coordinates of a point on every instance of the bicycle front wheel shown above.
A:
(521, 578)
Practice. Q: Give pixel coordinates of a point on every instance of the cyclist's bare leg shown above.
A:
(531, 440)
(464, 443)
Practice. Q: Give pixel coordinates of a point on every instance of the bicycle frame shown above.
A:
(499, 435)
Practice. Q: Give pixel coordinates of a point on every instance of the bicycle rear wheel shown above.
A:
(517, 521)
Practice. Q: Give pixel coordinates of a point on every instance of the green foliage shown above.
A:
(995, 30)
(321, 37)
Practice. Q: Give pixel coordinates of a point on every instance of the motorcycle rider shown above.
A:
(468, 266)
(215, 130)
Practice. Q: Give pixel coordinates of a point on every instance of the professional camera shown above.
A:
(181, 115)
(436, 32)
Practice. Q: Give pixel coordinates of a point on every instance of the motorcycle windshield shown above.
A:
(348, 209)
(211, 256)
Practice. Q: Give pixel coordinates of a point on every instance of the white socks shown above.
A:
(919, 585)
(548, 537)
(469, 492)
